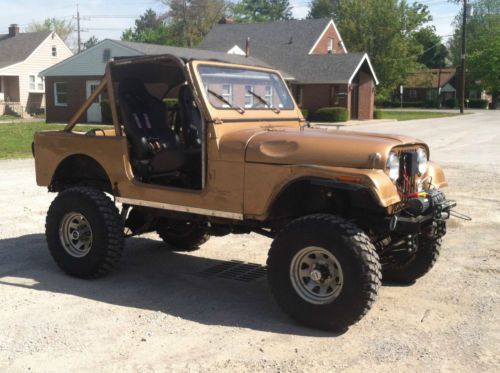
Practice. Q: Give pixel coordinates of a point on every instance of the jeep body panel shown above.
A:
(249, 157)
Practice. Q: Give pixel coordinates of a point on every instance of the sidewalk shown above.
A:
(22, 120)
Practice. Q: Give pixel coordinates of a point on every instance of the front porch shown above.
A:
(11, 102)
(10, 96)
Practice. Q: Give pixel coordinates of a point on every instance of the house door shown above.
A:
(354, 101)
(94, 111)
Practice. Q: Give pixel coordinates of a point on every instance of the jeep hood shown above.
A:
(320, 147)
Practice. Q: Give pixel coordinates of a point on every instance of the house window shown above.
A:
(330, 45)
(54, 51)
(106, 55)
(413, 93)
(61, 94)
(248, 96)
(268, 95)
(35, 83)
(39, 84)
(32, 82)
(227, 93)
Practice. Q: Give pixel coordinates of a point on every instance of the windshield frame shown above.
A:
(292, 108)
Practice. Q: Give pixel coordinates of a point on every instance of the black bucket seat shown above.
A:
(155, 146)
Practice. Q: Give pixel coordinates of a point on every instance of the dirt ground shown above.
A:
(156, 312)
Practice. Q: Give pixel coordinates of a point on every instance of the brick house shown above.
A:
(312, 57)
(22, 57)
(70, 82)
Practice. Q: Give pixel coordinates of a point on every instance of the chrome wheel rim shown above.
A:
(75, 234)
(316, 275)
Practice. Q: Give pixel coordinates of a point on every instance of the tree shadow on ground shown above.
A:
(151, 278)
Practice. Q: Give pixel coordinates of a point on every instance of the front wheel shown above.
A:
(84, 232)
(416, 265)
(324, 272)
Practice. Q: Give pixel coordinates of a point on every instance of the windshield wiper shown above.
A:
(238, 108)
(264, 101)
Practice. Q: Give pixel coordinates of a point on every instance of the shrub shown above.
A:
(106, 111)
(450, 103)
(377, 114)
(478, 104)
(434, 104)
(331, 114)
(383, 103)
(414, 104)
(305, 113)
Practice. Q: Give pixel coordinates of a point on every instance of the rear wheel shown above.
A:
(84, 232)
(183, 235)
(324, 272)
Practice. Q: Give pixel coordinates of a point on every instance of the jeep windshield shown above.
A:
(230, 88)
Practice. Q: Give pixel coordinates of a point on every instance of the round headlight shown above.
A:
(393, 166)
(421, 161)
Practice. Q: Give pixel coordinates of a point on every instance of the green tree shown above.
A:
(62, 27)
(190, 20)
(92, 41)
(247, 11)
(385, 29)
(323, 8)
(149, 28)
(483, 45)
(435, 52)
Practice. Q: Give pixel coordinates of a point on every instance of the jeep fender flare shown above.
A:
(308, 195)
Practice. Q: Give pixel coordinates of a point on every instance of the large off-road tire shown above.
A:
(84, 232)
(416, 266)
(183, 236)
(324, 271)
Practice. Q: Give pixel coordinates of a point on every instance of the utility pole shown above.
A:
(462, 60)
(78, 28)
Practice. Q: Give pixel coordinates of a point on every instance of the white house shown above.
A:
(22, 57)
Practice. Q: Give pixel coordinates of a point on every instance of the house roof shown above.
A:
(15, 49)
(326, 68)
(430, 78)
(267, 38)
(191, 53)
(286, 45)
(79, 64)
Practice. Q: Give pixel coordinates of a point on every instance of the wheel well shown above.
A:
(80, 169)
(308, 196)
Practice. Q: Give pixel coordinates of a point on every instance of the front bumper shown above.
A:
(409, 221)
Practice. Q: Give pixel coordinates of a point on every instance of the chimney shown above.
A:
(13, 30)
(247, 48)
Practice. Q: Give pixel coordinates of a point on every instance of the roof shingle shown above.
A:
(297, 36)
(285, 45)
(14, 49)
(191, 53)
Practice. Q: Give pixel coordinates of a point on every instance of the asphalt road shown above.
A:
(159, 312)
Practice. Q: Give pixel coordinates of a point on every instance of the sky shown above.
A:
(108, 18)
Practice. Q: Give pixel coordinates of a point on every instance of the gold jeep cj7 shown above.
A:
(201, 147)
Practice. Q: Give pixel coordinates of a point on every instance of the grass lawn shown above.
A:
(16, 138)
(8, 117)
(409, 115)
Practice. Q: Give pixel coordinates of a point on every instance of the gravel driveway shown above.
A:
(158, 311)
